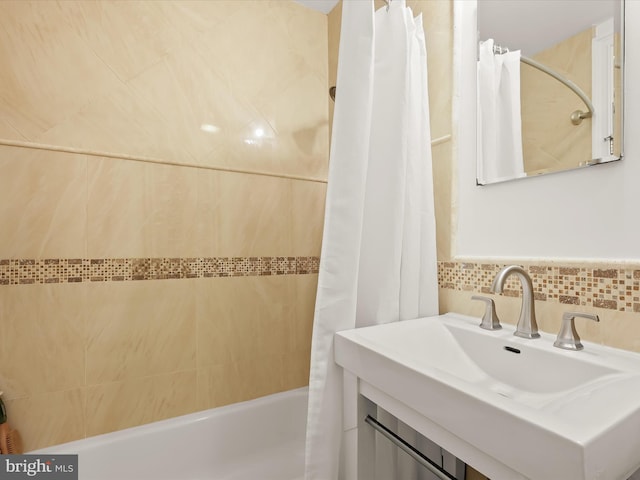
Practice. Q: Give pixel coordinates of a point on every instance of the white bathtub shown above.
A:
(262, 439)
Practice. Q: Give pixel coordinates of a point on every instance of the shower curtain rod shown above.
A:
(578, 115)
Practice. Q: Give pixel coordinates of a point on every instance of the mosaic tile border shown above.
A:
(77, 270)
(594, 286)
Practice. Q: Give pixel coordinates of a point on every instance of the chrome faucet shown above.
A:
(527, 326)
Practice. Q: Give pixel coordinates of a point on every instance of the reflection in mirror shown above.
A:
(549, 86)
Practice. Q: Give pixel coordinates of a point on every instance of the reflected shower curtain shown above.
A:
(378, 260)
(499, 116)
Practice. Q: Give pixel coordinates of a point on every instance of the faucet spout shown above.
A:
(527, 326)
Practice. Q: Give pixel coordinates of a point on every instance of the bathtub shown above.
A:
(261, 439)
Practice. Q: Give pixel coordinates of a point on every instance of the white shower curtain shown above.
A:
(378, 260)
(499, 115)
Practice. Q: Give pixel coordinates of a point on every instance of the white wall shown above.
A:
(587, 214)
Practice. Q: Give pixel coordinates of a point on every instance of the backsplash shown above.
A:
(600, 286)
(75, 270)
(592, 286)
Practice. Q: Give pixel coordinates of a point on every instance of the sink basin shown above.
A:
(539, 410)
(497, 361)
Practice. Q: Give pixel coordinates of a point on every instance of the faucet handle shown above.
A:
(490, 318)
(568, 338)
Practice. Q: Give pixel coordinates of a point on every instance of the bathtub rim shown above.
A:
(84, 444)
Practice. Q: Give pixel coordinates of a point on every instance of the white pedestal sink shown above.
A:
(514, 407)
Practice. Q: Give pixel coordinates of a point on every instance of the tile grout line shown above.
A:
(157, 161)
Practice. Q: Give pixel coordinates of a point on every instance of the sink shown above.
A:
(543, 412)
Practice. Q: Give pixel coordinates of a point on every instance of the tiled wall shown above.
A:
(76, 270)
(612, 291)
(140, 279)
(595, 286)
(549, 140)
(207, 83)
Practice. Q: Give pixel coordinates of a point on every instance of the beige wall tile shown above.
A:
(253, 336)
(295, 373)
(549, 139)
(41, 346)
(306, 287)
(443, 198)
(143, 210)
(119, 354)
(137, 329)
(241, 380)
(114, 406)
(308, 201)
(117, 209)
(127, 36)
(301, 141)
(172, 211)
(49, 418)
(8, 132)
(255, 215)
(44, 212)
(192, 18)
(31, 48)
(616, 329)
(242, 318)
(276, 41)
(282, 62)
(207, 221)
(239, 67)
(119, 122)
(297, 361)
(187, 93)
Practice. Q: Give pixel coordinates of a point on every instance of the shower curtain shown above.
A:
(499, 117)
(378, 259)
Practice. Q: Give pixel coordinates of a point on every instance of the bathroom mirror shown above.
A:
(550, 84)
